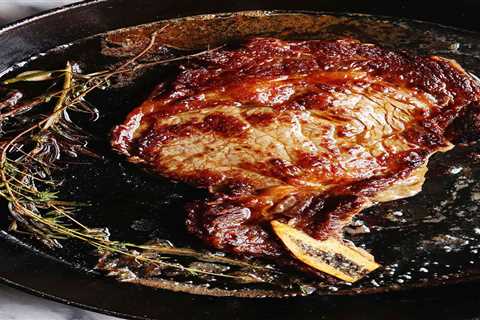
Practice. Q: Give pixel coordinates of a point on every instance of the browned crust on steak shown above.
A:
(314, 132)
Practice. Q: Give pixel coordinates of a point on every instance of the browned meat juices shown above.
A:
(308, 133)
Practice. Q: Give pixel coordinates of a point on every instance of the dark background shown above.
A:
(11, 10)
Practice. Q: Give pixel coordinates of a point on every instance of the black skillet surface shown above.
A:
(446, 207)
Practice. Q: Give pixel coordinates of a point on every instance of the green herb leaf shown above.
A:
(33, 75)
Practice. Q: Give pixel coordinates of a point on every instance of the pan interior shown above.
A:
(425, 240)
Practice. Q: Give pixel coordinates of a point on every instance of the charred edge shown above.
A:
(227, 227)
(466, 127)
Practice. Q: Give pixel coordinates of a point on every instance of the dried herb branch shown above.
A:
(30, 155)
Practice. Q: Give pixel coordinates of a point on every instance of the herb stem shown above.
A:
(59, 106)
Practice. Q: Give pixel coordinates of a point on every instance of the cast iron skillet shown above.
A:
(50, 276)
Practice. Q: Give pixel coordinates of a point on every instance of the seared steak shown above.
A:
(304, 132)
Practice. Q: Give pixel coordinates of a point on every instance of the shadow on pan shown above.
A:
(433, 231)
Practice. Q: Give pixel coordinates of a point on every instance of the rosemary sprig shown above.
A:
(35, 75)
(29, 156)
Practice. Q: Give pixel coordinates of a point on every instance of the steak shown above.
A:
(307, 133)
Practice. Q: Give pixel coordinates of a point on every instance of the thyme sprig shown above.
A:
(29, 156)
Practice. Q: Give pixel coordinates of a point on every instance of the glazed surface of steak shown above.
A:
(304, 132)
